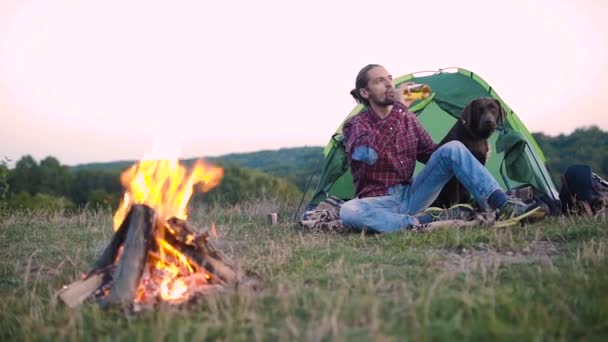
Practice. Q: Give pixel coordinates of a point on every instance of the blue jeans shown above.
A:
(397, 209)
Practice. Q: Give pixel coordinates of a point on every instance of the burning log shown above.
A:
(202, 251)
(111, 251)
(141, 222)
(181, 231)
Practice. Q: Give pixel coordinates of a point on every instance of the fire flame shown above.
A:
(166, 186)
(173, 291)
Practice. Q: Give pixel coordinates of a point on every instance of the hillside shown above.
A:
(293, 164)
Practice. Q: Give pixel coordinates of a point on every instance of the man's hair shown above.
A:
(361, 82)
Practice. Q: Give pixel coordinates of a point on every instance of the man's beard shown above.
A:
(385, 102)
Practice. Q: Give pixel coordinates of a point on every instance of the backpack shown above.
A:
(583, 191)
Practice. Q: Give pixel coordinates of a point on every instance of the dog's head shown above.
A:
(481, 116)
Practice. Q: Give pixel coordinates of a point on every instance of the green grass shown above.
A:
(538, 282)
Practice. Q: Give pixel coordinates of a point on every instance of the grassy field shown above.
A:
(543, 281)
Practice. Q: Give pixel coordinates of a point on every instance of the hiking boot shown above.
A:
(514, 210)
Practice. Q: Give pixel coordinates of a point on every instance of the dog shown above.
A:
(478, 121)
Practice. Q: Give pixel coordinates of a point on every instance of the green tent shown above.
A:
(516, 158)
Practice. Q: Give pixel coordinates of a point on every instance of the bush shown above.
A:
(24, 200)
(102, 198)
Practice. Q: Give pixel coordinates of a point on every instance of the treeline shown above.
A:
(49, 184)
(295, 165)
(586, 145)
(280, 174)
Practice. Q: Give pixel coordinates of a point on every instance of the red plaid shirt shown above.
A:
(398, 140)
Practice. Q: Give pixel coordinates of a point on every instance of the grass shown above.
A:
(538, 282)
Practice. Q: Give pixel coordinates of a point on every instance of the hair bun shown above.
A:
(355, 94)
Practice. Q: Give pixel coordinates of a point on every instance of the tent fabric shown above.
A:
(516, 158)
(335, 165)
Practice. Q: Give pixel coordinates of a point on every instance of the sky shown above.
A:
(87, 81)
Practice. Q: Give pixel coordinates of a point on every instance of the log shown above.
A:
(126, 277)
(217, 254)
(108, 256)
(222, 270)
(78, 291)
(181, 230)
(215, 267)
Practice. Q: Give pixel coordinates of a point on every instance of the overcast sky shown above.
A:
(107, 80)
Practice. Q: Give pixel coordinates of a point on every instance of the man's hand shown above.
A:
(402, 89)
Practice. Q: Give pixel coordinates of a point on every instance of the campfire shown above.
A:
(155, 256)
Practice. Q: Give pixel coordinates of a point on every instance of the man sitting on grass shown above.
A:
(383, 143)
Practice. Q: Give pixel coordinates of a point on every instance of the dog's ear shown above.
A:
(501, 111)
(467, 115)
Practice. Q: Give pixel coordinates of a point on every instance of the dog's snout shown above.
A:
(489, 123)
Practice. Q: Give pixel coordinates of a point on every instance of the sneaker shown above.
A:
(456, 212)
(434, 217)
(514, 210)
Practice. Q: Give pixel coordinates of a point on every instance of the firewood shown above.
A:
(78, 291)
(181, 230)
(142, 220)
(217, 254)
(119, 272)
(215, 267)
(226, 273)
(108, 256)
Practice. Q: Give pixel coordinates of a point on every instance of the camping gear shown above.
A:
(272, 218)
(516, 158)
(583, 191)
(325, 218)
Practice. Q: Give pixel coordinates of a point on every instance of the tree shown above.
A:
(83, 182)
(586, 145)
(25, 176)
(4, 187)
(54, 178)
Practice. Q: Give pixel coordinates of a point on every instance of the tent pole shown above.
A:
(542, 173)
(314, 170)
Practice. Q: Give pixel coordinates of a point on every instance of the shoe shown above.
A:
(514, 210)
(456, 212)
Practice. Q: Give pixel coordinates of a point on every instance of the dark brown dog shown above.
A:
(477, 122)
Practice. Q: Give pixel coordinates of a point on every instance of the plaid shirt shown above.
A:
(398, 141)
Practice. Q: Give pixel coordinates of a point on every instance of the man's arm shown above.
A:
(363, 144)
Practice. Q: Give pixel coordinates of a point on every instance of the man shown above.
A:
(383, 143)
